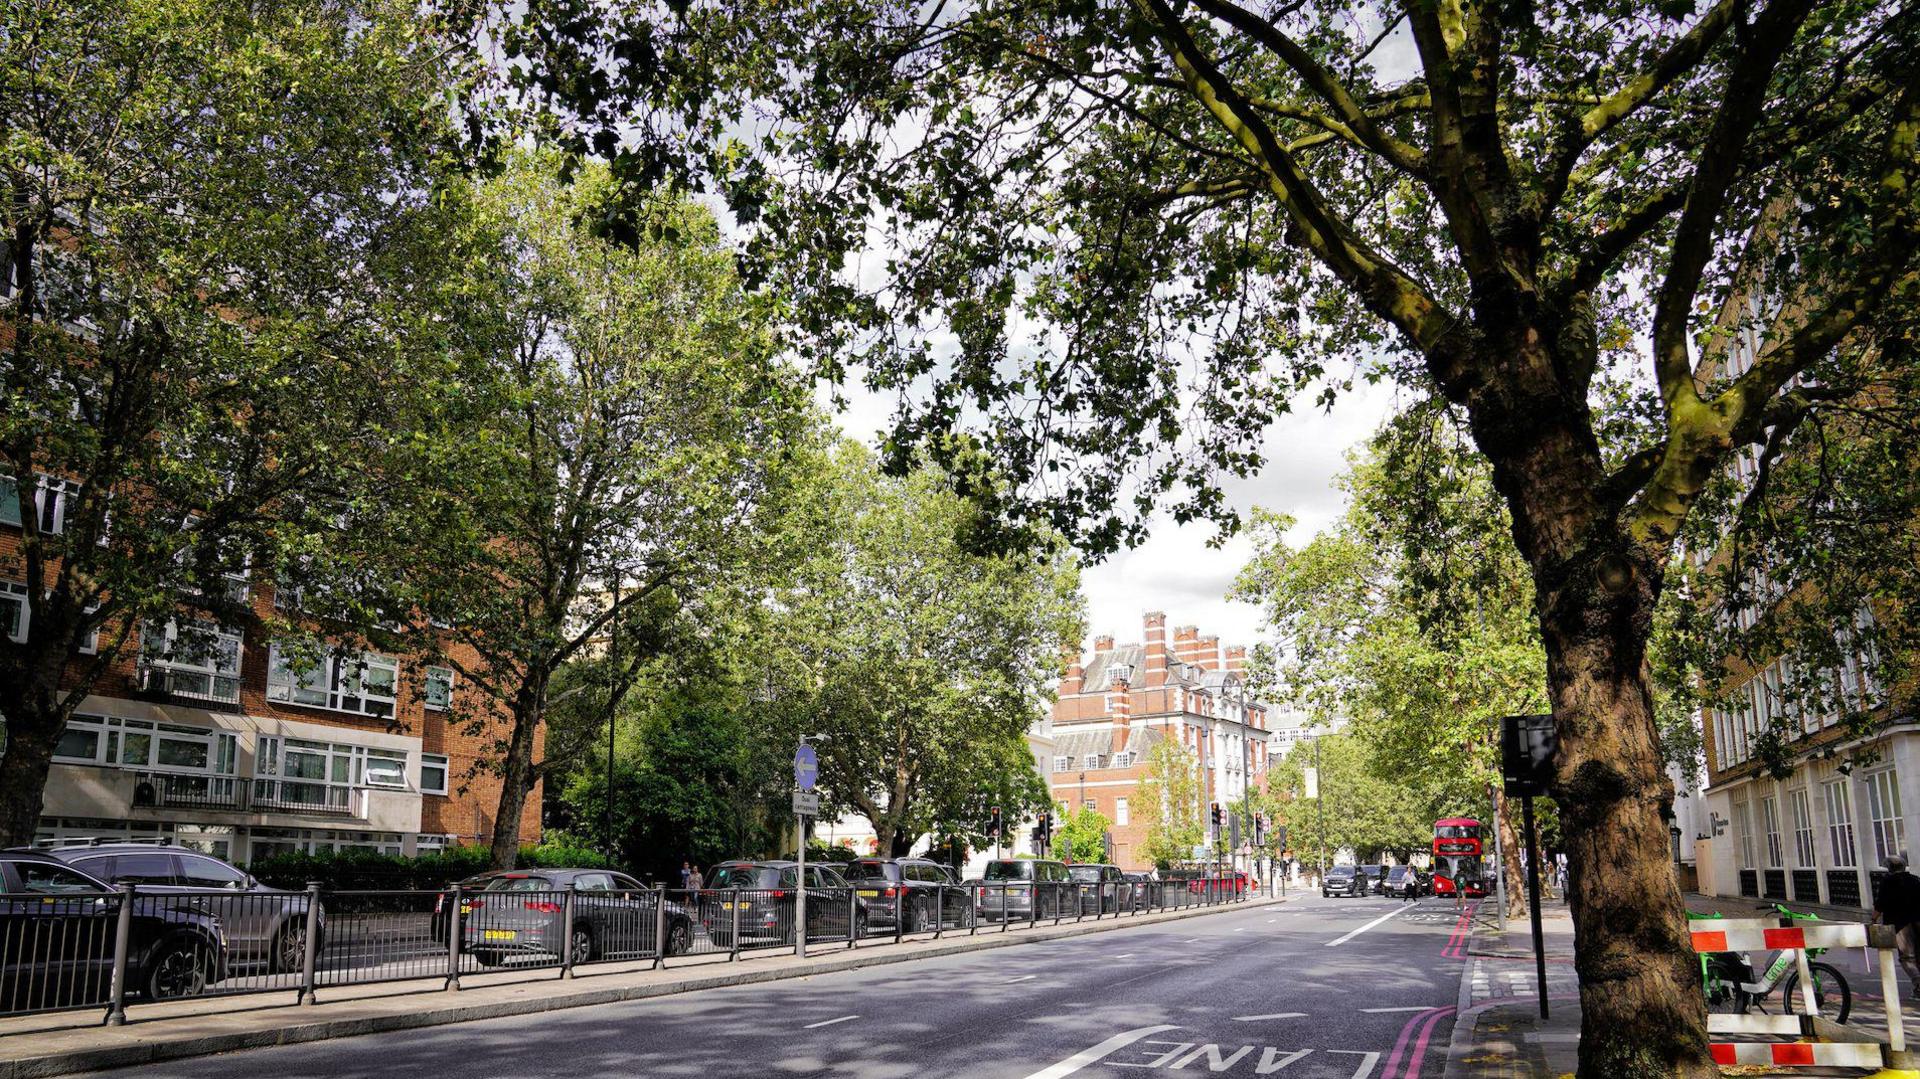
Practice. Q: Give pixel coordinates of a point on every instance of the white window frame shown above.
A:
(1743, 828)
(52, 516)
(1806, 853)
(1770, 819)
(440, 676)
(1121, 812)
(440, 761)
(1123, 759)
(1840, 836)
(16, 593)
(1063, 764)
(209, 668)
(1883, 814)
(335, 683)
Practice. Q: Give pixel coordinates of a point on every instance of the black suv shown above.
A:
(265, 926)
(1343, 880)
(1101, 887)
(1376, 879)
(917, 887)
(762, 895)
(518, 912)
(57, 932)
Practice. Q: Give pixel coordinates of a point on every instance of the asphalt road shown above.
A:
(1314, 989)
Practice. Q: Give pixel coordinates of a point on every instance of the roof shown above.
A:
(1099, 668)
(1079, 744)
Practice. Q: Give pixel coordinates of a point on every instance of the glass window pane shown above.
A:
(304, 764)
(9, 501)
(207, 873)
(78, 743)
(136, 748)
(178, 754)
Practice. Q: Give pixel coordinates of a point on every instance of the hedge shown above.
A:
(366, 870)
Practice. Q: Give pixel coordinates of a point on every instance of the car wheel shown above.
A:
(489, 958)
(178, 971)
(290, 948)
(860, 925)
(580, 944)
(920, 917)
(680, 939)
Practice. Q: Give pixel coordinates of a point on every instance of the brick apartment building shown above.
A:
(1114, 705)
(242, 754)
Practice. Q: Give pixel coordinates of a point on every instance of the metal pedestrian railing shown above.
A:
(75, 950)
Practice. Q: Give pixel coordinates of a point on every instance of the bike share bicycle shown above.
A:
(1727, 978)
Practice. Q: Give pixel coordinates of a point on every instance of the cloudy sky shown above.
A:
(1176, 571)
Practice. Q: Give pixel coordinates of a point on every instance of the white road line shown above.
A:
(1022, 978)
(1124, 955)
(1369, 925)
(830, 1022)
(1410, 1008)
(1242, 929)
(1275, 1015)
(1087, 1056)
(1193, 940)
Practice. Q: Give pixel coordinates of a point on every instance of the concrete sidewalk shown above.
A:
(67, 1042)
(1497, 1030)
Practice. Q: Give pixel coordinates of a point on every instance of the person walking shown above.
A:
(1897, 904)
(695, 879)
(686, 873)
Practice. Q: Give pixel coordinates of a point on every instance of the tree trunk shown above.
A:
(1642, 1010)
(1516, 877)
(23, 771)
(517, 778)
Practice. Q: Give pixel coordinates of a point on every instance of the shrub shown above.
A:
(356, 869)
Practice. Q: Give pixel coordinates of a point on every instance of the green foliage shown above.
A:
(354, 869)
(1081, 837)
(1169, 803)
(1357, 808)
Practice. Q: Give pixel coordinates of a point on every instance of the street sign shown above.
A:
(1310, 783)
(806, 803)
(1199, 852)
(806, 767)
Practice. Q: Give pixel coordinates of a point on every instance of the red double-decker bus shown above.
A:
(1457, 856)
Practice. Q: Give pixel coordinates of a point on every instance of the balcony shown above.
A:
(167, 682)
(163, 789)
(309, 797)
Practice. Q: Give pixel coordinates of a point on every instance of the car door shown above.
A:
(59, 939)
(251, 918)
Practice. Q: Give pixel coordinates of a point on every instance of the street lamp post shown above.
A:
(613, 660)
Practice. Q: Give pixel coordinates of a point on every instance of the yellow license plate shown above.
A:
(498, 934)
(465, 909)
(865, 894)
(729, 906)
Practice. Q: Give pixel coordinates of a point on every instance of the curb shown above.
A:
(163, 1049)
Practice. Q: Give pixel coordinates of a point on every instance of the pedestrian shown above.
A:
(686, 873)
(1560, 871)
(1897, 904)
(695, 881)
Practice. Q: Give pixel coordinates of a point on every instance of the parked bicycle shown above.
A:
(1731, 987)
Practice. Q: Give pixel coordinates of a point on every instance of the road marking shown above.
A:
(1274, 1015)
(1022, 978)
(1193, 940)
(1409, 1008)
(1124, 955)
(1390, 914)
(1366, 1066)
(1242, 929)
(829, 1022)
(1087, 1056)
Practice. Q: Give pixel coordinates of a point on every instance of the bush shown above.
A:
(366, 870)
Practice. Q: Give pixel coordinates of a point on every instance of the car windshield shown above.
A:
(1340, 871)
(1084, 872)
(1399, 872)
(1009, 871)
(744, 876)
(519, 884)
(866, 869)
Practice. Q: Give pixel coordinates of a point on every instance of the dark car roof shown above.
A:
(569, 873)
(91, 849)
(28, 854)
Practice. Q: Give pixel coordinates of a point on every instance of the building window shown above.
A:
(194, 659)
(439, 688)
(1883, 814)
(363, 684)
(1123, 760)
(14, 612)
(433, 773)
(1061, 764)
(1743, 828)
(1804, 852)
(1770, 817)
(52, 499)
(1120, 811)
(1840, 824)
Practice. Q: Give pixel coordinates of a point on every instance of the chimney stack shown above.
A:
(1237, 657)
(1186, 644)
(1103, 643)
(1120, 708)
(1156, 634)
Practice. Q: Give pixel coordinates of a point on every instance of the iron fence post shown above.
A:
(898, 920)
(1033, 906)
(734, 953)
(453, 937)
(853, 916)
(566, 929)
(973, 903)
(122, 937)
(311, 946)
(660, 930)
(939, 909)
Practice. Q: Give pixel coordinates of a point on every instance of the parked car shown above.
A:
(265, 926)
(1343, 880)
(523, 912)
(1140, 886)
(763, 894)
(1008, 886)
(1099, 887)
(57, 938)
(917, 887)
(1222, 882)
(1376, 878)
(1406, 882)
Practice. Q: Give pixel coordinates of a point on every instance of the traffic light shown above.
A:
(1216, 815)
(1045, 828)
(993, 822)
